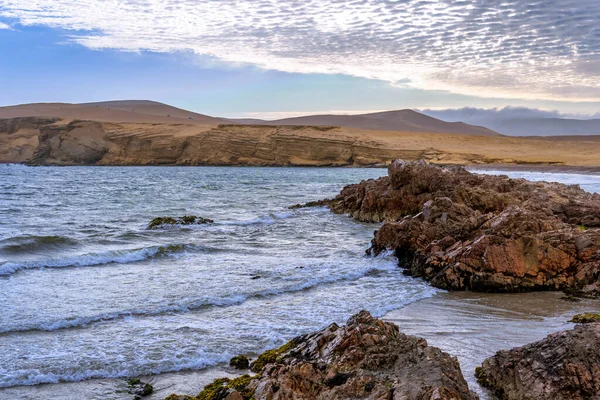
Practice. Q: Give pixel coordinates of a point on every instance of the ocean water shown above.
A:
(88, 293)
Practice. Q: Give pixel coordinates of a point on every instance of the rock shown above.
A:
(463, 231)
(319, 203)
(365, 359)
(139, 389)
(564, 366)
(585, 318)
(240, 362)
(160, 222)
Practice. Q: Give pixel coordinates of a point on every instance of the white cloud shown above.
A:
(538, 49)
(4, 26)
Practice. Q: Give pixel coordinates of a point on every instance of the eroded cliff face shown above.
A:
(48, 141)
(463, 231)
(88, 142)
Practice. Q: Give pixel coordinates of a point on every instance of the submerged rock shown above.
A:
(365, 359)
(159, 222)
(464, 231)
(564, 366)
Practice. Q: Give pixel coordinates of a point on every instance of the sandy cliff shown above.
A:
(147, 133)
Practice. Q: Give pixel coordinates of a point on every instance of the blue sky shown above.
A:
(279, 58)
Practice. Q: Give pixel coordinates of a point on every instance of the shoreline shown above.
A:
(468, 325)
(542, 168)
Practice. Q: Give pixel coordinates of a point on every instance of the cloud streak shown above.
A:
(539, 49)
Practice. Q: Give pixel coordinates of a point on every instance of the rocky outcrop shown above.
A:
(460, 230)
(160, 222)
(564, 366)
(365, 359)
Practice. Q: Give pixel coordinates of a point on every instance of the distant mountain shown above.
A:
(142, 111)
(401, 120)
(517, 121)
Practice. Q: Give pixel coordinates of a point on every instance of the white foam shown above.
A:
(93, 259)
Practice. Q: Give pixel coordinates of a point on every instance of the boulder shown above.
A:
(464, 231)
(364, 359)
(564, 366)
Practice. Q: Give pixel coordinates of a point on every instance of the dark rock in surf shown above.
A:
(139, 389)
(319, 203)
(240, 362)
(365, 359)
(563, 366)
(160, 222)
(464, 231)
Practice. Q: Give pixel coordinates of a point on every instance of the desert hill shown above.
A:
(520, 121)
(141, 111)
(401, 120)
(149, 133)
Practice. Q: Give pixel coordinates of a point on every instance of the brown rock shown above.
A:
(366, 359)
(463, 231)
(564, 366)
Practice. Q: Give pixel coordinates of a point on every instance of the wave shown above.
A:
(193, 305)
(35, 377)
(30, 243)
(267, 219)
(94, 259)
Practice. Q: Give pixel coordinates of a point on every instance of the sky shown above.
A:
(271, 59)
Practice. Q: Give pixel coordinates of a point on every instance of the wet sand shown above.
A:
(473, 326)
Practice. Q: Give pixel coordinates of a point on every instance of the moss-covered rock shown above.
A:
(220, 388)
(585, 318)
(239, 362)
(159, 222)
(270, 356)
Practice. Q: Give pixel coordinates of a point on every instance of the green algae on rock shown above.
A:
(271, 356)
(585, 318)
(160, 222)
(240, 362)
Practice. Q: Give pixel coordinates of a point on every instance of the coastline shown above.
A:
(470, 326)
(542, 168)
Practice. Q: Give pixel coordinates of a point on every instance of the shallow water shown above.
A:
(473, 326)
(88, 294)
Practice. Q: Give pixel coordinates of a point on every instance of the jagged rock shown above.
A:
(463, 231)
(159, 222)
(564, 366)
(365, 359)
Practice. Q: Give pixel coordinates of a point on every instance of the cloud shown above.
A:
(4, 26)
(537, 49)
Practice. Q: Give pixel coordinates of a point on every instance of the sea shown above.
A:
(89, 294)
